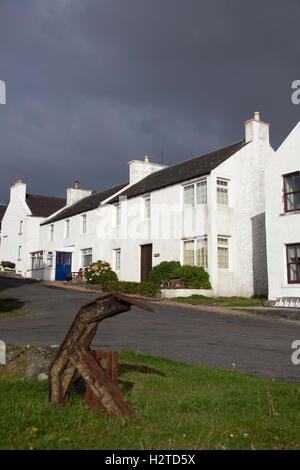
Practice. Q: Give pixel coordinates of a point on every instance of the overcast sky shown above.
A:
(93, 84)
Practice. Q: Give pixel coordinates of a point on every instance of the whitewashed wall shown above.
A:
(282, 228)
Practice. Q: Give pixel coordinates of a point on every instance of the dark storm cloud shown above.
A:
(94, 84)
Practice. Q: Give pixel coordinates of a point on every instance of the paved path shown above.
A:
(255, 344)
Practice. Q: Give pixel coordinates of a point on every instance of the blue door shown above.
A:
(63, 265)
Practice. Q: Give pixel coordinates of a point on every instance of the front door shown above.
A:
(63, 265)
(146, 262)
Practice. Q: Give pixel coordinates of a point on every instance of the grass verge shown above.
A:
(223, 301)
(179, 406)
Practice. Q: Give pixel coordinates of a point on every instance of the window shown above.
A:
(67, 228)
(37, 260)
(51, 232)
(201, 192)
(118, 214)
(21, 227)
(83, 223)
(195, 252)
(293, 263)
(50, 259)
(222, 192)
(223, 252)
(87, 257)
(292, 192)
(198, 190)
(147, 208)
(19, 253)
(117, 259)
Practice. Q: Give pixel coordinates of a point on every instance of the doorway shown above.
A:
(146, 262)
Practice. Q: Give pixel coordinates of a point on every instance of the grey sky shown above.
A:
(93, 84)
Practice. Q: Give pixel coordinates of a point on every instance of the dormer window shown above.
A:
(291, 187)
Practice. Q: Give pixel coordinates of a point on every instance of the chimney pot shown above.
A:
(257, 116)
(19, 181)
(76, 184)
(147, 159)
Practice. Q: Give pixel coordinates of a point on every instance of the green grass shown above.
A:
(179, 406)
(10, 307)
(223, 301)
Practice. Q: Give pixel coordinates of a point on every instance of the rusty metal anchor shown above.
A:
(75, 358)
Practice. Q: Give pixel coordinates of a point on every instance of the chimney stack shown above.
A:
(256, 130)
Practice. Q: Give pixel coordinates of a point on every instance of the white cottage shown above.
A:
(208, 211)
(20, 226)
(283, 221)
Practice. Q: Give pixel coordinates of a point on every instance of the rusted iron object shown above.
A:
(75, 358)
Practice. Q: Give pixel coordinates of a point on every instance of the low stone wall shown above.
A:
(171, 293)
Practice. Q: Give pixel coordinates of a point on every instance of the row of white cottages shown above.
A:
(234, 211)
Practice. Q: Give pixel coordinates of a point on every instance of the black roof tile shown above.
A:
(43, 206)
(2, 212)
(86, 204)
(184, 171)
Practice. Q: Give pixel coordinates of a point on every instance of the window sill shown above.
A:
(297, 211)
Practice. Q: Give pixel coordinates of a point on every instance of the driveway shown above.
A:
(255, 344)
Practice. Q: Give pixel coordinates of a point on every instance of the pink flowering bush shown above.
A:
(99, 272)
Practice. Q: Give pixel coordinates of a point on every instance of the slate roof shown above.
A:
(184, 171)
(2, 212)
(86, 204)
(43, 206)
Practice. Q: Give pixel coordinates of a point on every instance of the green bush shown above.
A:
(193, 277)
(146, 289)
(99, 272)
(163, 271)
(8, 264)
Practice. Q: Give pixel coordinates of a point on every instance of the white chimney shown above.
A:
(18, 191)
(255, 129)
(140, 169)
(75, 194)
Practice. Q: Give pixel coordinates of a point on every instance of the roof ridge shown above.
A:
(42, 195)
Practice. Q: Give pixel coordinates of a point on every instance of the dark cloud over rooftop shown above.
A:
(93, 84)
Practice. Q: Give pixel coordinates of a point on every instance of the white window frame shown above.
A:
(195, 185)
(222, 187)
(223, 244)
(20, 227)
(19, 253)
(67, 228)
(86, 252)
(196, 241)
(51, 232)
(118, 214)
(83, 223)
(37, 260)
(50, 258)
(147, 207)
(117, 259)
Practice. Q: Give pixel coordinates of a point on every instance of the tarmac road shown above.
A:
(255, 344)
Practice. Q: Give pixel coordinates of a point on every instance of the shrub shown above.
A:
(163, 271)
(99, 272)
(69, 277)
(193, 277)
(147, 289)
(8, 264)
